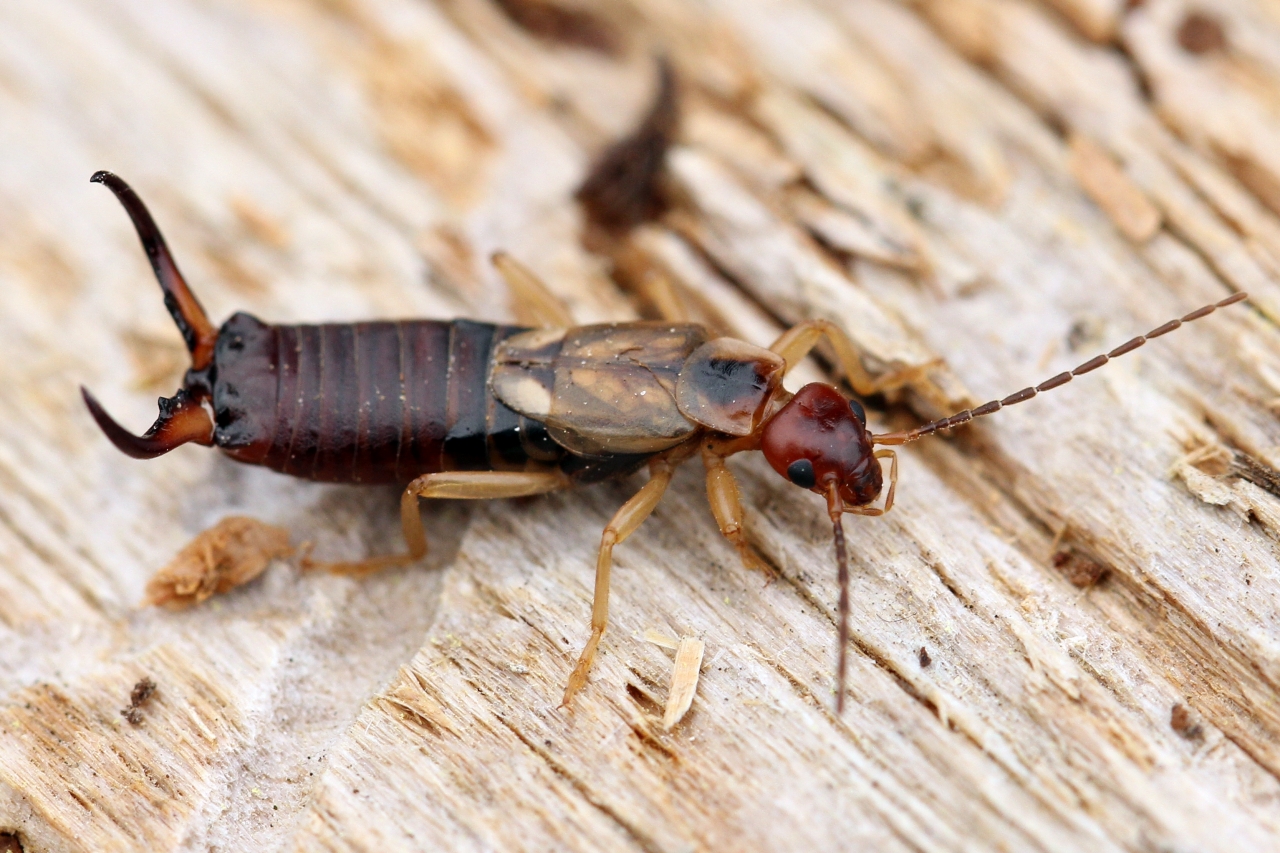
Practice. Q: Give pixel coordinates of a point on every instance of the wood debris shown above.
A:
(684, 676)
(231, 553)
(624, 187)
(139, 696)
(1182, 720)
(1201, 32)
(562, 25)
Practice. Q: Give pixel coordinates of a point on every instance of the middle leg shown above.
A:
(622, 525)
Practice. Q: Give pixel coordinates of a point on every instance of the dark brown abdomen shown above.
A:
(368, 402)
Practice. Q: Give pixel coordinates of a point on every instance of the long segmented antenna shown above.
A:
(183, 306)
(835, 508)
(1055, 382)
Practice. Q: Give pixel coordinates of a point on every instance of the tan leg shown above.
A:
(796, 342)
(622, 525)
(893, 476)
(532, 302)
(464, 485)
(893, 485)
(659, 292)
(722, 494)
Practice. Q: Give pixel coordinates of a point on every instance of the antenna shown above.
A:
(1055, 382)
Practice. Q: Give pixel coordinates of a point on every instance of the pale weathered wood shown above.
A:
(1066, 632)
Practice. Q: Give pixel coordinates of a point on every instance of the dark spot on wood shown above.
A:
(1259, 473)
(142, 691)
(1078, 569)
(642, 698)
(624, 187)
(10, 842)
(561, 25)
(139, 696)
(1182, 721)
(1200, 33)
(925, 660)
(1085, 331)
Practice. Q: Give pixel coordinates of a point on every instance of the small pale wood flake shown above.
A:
(1066, 634)
(684, 680)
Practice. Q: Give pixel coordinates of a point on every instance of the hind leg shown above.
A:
(464, 485)
(532, 302)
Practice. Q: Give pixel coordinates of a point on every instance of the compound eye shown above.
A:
(858, 412)
(802, 474)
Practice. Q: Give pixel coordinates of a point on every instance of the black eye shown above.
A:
(858, 412)
(801, 473)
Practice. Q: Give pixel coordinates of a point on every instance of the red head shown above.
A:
(820, 439)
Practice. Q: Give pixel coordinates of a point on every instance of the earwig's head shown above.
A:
(183, 417)
(820, 439)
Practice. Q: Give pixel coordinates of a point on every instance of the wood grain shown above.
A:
(1065, 635)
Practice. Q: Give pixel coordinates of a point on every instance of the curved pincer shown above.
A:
(182, 419)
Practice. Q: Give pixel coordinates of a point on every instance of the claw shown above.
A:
(182, 419)
(183, 306)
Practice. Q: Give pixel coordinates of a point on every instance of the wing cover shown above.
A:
(603, 389)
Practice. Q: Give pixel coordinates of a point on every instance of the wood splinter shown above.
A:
(684, 675)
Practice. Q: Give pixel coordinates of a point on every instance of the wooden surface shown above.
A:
(997, 189)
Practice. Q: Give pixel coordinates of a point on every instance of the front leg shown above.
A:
(726, 506)
(795, 343)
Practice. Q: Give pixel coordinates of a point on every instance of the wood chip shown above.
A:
(231, 553)
(684, 681)
(139, 696)
(660, 639)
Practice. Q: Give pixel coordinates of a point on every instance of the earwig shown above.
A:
(462, 409)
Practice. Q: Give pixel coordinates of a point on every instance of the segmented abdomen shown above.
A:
(368, 402)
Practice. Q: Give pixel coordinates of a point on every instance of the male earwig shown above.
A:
(460, 409)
